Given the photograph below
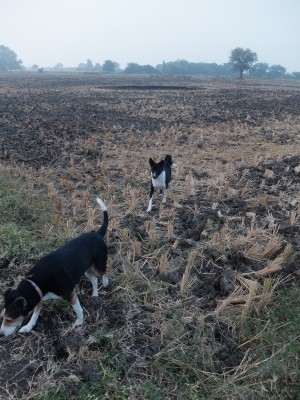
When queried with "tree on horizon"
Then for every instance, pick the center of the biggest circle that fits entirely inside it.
(8, 59)
(242, 60)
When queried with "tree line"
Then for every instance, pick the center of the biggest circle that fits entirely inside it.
(241, 60)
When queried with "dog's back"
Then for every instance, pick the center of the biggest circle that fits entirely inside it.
(69, 263)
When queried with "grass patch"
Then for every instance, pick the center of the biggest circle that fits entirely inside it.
(22, 217)
(274, 346)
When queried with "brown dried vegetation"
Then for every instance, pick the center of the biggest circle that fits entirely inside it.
(190, 267)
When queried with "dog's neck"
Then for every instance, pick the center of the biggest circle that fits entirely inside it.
(36, 287)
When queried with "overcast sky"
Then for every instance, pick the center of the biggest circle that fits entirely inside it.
(45, 32)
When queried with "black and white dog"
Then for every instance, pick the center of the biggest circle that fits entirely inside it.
(55, 276)
(160, 177)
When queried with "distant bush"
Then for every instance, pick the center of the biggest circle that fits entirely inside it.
(296, 75)
(133, 68)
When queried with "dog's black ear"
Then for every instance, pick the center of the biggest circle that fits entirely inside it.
(151, 162)
(7, 292)
(20, 304)
(168, 159)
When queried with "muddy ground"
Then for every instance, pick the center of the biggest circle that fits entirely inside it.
(232, 212)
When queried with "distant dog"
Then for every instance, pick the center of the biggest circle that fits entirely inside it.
(160, 177)
(55, 276)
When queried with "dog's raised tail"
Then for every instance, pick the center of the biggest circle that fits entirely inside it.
(102, 230)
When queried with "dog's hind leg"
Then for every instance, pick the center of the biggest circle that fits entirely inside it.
(165, 195)
(36, 312)
(94, 281)
(105, 280)
(100, 274)
(78, 310)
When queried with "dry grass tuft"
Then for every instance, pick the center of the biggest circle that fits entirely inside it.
(249, 301)
(273, 266)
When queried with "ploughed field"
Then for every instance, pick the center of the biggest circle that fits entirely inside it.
(232, 219)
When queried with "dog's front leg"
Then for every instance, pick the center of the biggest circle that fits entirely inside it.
(165, 195)
(36, 312)
(78, 310)
(151, 198)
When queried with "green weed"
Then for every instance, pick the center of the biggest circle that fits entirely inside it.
(274, 345)
(21, 220)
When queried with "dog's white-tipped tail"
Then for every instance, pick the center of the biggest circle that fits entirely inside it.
(101, 204)
(102, 230)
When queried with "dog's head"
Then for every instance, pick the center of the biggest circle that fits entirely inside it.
(15, 310)
(156, 168)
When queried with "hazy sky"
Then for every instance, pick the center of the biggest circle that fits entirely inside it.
(45, 32)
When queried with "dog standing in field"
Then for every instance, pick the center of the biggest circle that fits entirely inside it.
(160, 177)
(55, 276)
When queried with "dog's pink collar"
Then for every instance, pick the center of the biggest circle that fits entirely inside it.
(36, 288)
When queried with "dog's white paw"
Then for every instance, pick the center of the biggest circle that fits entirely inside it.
(78, 322)
(25, 329)
(95, 294)
(148, 209)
